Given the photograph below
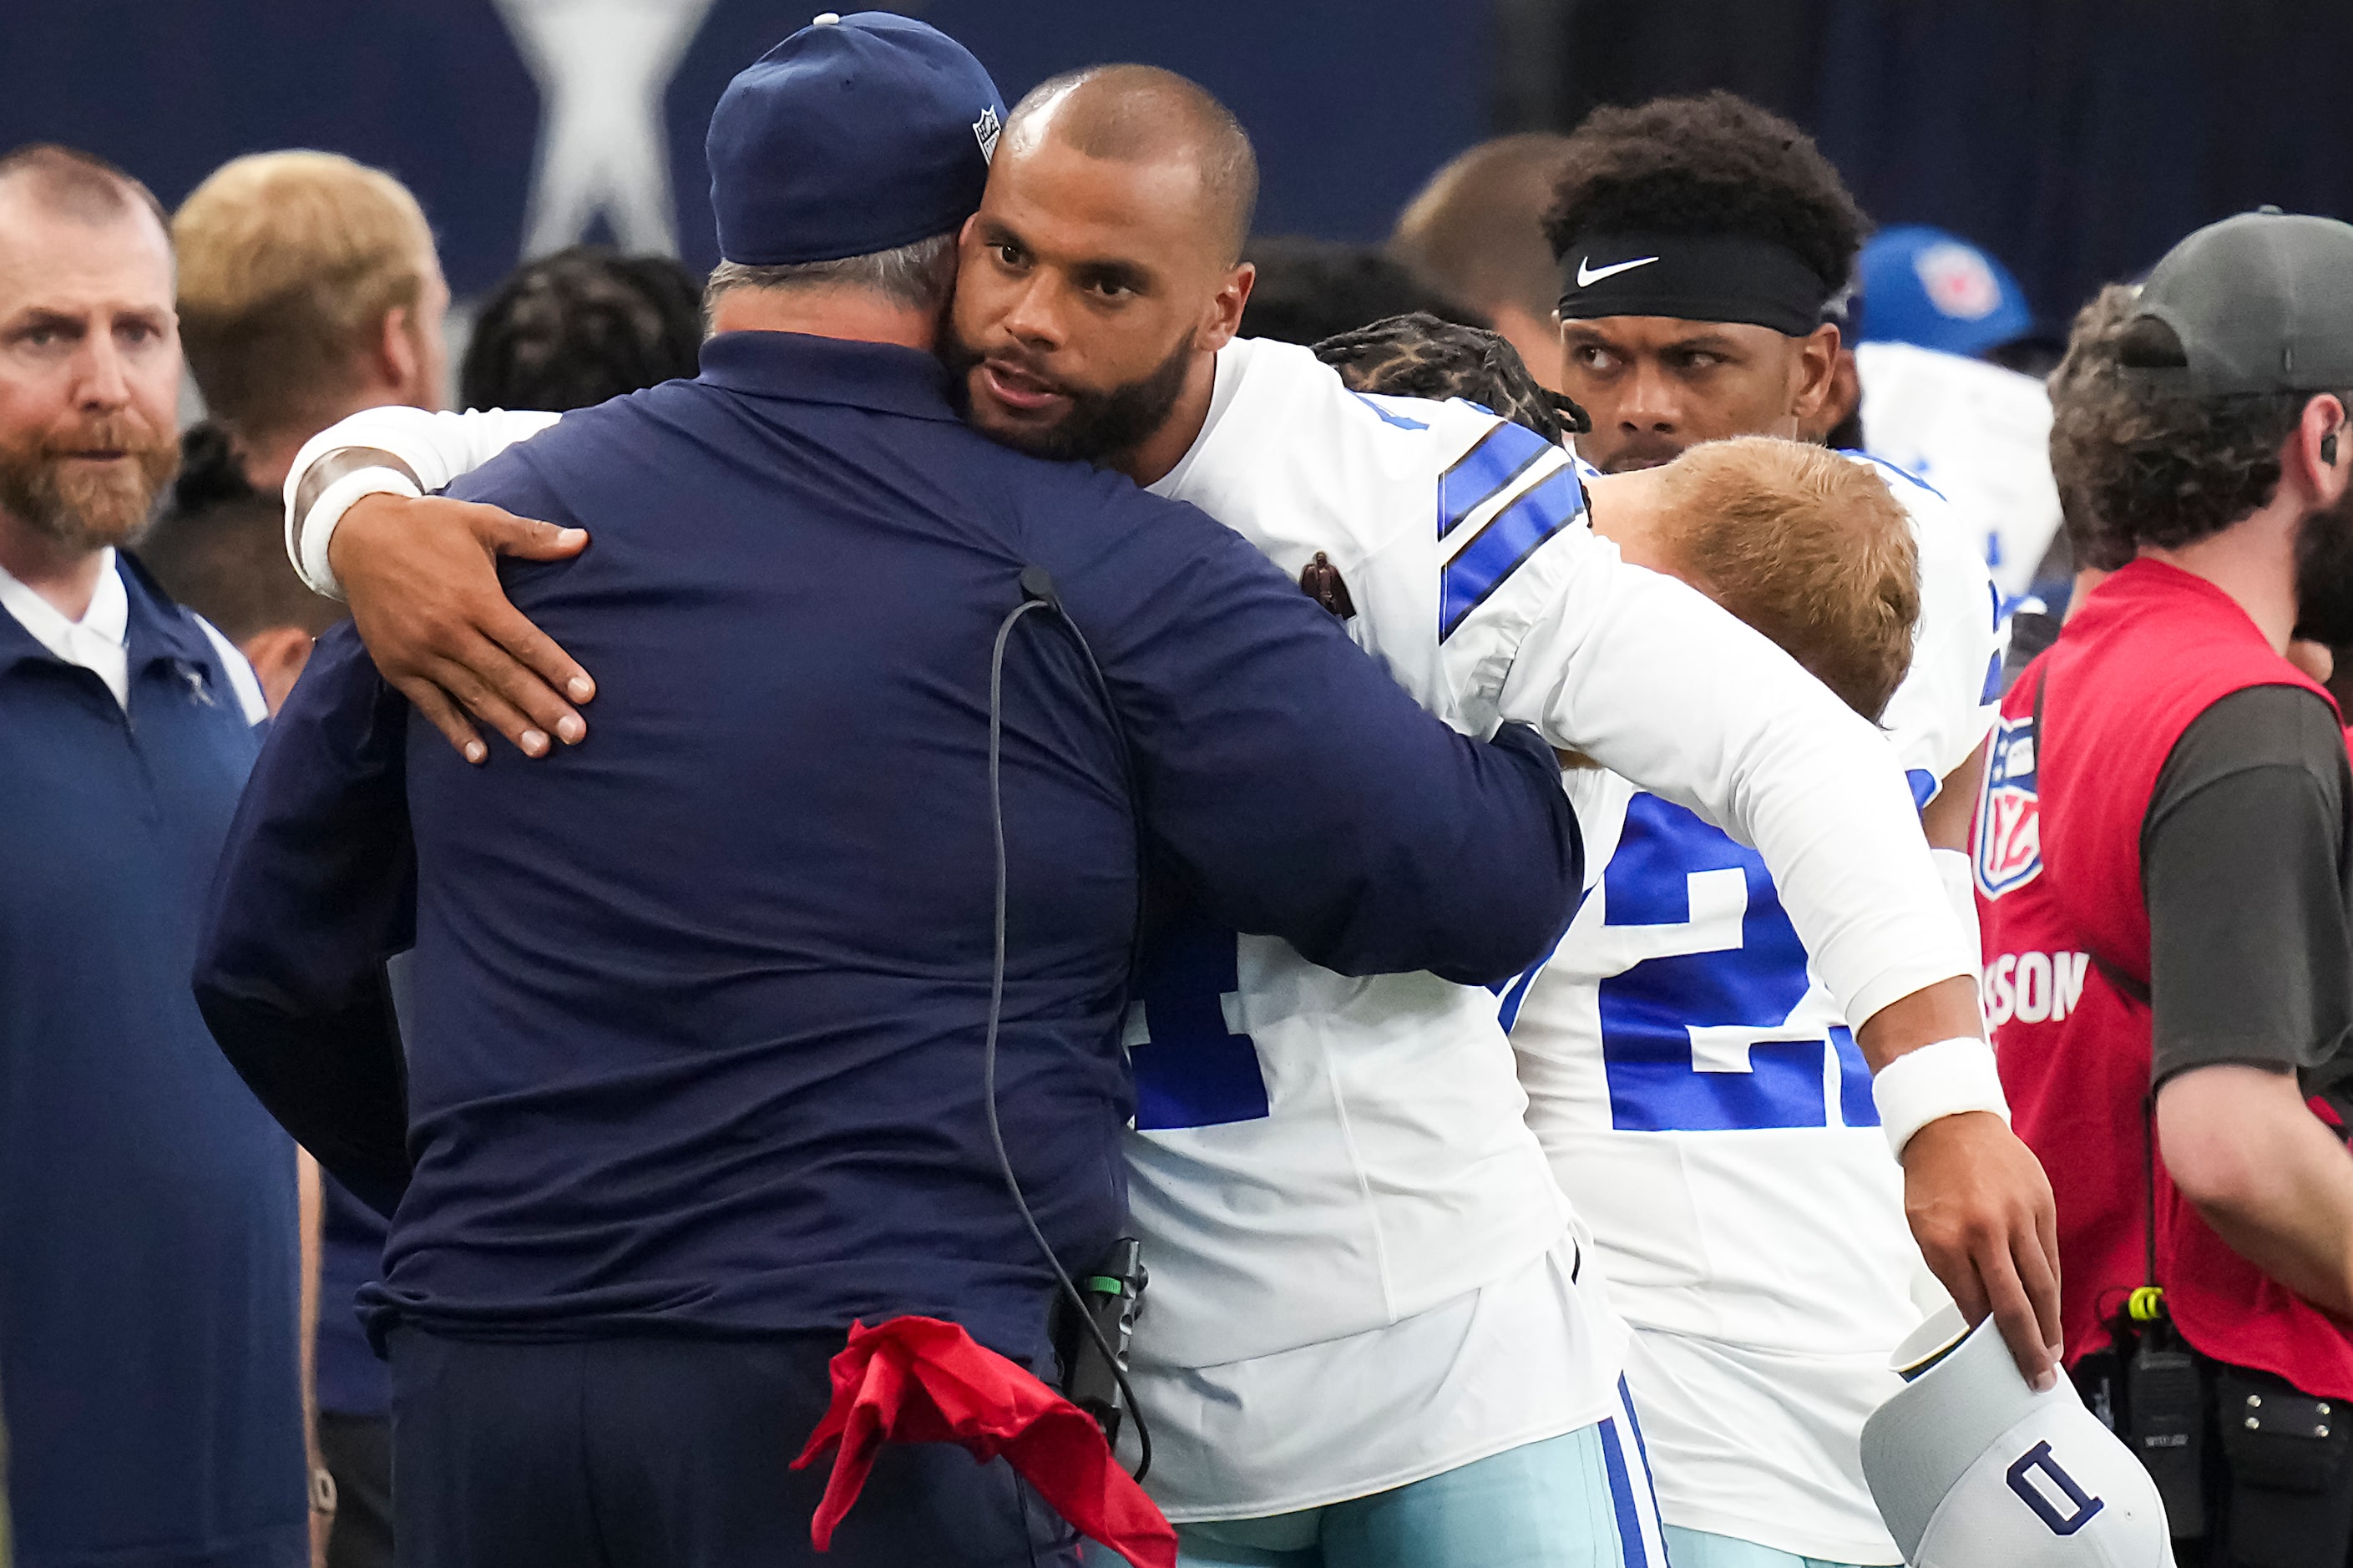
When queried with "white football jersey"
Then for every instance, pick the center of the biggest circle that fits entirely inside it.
(1981, 435)
(1318, 1155)
(1705, 1105)
(1321, 1154)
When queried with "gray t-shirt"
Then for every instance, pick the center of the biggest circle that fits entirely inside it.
(2247, 866)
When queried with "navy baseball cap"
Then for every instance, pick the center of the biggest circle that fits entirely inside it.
(1924, 286)
(856, 134)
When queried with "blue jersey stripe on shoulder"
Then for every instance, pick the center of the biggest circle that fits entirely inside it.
(1992, 693)
(1924, 785)
(1400, 420)
(1900, 472)
(1510, 993)
(1510, 537)
(1481, 474)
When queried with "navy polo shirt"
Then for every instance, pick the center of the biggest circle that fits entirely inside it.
(694, 1045)
(148, 1228)
(350, 1378)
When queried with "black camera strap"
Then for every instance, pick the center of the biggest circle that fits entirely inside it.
(2151, 1295)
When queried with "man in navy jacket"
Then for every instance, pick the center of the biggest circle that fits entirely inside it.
(148, 1235)
(694, 1074)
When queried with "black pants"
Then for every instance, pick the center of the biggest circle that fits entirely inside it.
(358, 1453)
(672, 1454)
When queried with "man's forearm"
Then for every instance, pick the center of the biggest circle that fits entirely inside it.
(311, 1209)
(2272, 1179)
(1947, 819)
(1945, 1010)
(430, 450)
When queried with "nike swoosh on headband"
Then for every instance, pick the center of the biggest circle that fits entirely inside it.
(1588, 275)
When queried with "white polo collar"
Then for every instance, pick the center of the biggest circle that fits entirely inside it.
(97, 642)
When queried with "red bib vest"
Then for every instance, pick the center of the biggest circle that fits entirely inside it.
(2057, 862)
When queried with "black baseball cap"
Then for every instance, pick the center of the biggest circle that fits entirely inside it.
(2260, 302)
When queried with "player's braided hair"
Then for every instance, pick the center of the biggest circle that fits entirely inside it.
(1418, 355)
(584, 324)
(1715, 164)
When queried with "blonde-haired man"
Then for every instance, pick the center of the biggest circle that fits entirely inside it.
(1807, 546)
(308, 289)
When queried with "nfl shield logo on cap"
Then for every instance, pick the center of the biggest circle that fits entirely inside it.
(1924, 286)
(1957, 280)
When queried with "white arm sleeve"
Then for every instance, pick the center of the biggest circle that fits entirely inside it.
(437, 447)
(1650, 679)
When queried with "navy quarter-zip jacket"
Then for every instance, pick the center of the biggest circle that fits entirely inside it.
(148, 1234)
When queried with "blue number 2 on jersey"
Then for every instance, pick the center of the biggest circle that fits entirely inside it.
(1648, 1012)
(1193, 1068)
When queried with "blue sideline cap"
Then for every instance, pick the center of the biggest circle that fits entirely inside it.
(856, 134)
(1923, 286)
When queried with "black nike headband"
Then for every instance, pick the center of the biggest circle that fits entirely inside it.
(1693, 278)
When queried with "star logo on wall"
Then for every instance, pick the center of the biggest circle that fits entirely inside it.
(603, 68)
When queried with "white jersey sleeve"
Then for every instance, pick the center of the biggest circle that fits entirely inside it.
(1756, 745)
(437, 448)
(1464, 542)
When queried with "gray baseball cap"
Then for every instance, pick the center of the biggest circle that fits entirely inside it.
(2261, 302)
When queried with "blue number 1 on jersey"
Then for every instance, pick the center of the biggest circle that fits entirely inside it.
(1193, 1068)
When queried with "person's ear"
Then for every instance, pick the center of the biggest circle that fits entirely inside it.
(1814, 377)
(278, 656)
(398, 360)
(1843, 397)
(2324, 443)
(1225, 315)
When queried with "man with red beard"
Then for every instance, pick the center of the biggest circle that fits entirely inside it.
(147, 1205)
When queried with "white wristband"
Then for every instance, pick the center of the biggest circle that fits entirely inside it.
(1934, 1082)
(309, 536)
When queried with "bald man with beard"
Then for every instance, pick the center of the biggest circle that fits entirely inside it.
(1372, 1336)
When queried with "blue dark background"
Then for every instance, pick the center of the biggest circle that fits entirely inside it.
(1353, 105)
(2077, 139)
